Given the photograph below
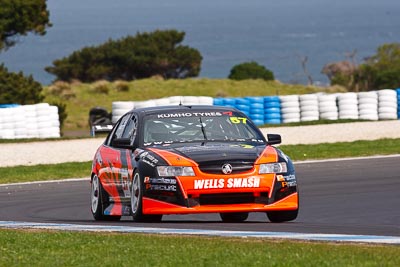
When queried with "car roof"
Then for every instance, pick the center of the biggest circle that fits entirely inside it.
(181, 108)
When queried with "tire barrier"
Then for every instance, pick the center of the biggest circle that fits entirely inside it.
(327, 105)
(372, 105)
(368, 105)
(348, 106)
(387, 104)
(290, 108)
(309, 107)
(272, 110)
(29, 121)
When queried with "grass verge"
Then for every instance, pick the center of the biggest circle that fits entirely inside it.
(27, 248)
(296, 152)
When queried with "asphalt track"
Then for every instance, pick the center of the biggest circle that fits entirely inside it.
(358, 197)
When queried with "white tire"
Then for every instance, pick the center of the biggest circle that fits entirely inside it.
(289, 116)
(205, 100)
(387, 110)
(368, 112)
(386, 98)
(368, 106)
(190, 100)
(327, 98)
(368, 95)
(7, 126)
(290, 110)
(347, 96)
(312, 118)
(308, 97)
(386, 104)
(373, 101)
(145, 104)
(309, 114)
(289, 98)
(325, 109)
(119, 112)
(370, 117)
(309, 102)
(348, 102)
(127, 105)
(290, 104)
(387, 116)
(291, 120)
(162, 102)
(387, 92)
(309, 108)
(176, 100)
(7, 134)
(44, 125)
(329, 116)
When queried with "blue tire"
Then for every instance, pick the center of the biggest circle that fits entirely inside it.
(229, 102)
(272, 104)
(242, 101)
(257, 116)
(218, 101)
(272, 110)
(272, 116)
(258, 122)
(257, 106)
(255, 99)
(243, 107)
(269, 99)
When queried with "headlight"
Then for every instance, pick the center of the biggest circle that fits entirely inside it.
(278, 167)
(174, 171)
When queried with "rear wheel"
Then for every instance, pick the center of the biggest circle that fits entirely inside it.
(282, 216)
(97, 195)
(137, 201)
(232, 217)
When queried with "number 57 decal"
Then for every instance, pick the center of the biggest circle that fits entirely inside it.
(238, 120)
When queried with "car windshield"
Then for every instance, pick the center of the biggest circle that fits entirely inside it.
(197, 126)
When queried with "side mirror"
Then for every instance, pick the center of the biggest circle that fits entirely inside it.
(122, 143)
(274, 139)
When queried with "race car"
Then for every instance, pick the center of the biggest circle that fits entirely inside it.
(191, 159)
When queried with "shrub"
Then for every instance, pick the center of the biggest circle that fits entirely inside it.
(62, 89)
(18, 89)
(250, 70)
(121, 86)
(101, 87)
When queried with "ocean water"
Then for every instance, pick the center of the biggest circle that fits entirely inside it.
(276, 34)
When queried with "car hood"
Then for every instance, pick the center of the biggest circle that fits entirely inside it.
(212, 156)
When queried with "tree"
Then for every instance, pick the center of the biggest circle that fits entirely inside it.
(130, 58)
(381, 70)
(16, 88)
(19, 17)
(250, 70)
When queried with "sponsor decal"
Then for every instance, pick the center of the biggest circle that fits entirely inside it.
(125, 182)
(251, 182)
(287, 180)
(160, 184)
(148, 159)
(237, 120)
(189, 114)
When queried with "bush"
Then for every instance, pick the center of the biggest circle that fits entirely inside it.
(18, 89)
(101, 87)
(62, 89)
(250, 70)
(130, 58)
(121, 86)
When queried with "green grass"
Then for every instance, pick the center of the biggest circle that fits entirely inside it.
(296, 152)
(343, 149)
(41, 248)
(45, 172)
(86, 97)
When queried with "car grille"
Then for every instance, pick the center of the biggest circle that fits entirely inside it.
(216, 167)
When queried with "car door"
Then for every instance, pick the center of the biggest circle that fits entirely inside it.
(114, 172)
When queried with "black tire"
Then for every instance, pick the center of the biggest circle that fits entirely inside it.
(137, 190)
(234, 217)
(282, 216)
(97, 196)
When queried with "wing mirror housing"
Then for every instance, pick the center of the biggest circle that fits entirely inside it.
(274, 139)
(122, 143)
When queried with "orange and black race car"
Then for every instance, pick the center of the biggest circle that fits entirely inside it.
(191, 159)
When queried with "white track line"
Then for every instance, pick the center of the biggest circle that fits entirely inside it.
(243, 234)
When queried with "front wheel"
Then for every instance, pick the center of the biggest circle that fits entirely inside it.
(97, 195)
(137, 201)
(234, 217)
(282, 216)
